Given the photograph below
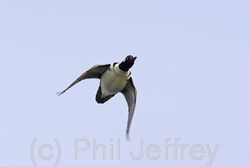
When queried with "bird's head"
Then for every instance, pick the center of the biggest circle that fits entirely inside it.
(127, 63)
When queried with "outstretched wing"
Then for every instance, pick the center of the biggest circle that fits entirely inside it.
(94, 72)
(130, 95)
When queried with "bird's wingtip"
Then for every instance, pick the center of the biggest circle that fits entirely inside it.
(59, 93)
(127, 137)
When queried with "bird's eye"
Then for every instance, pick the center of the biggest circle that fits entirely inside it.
(127, 58)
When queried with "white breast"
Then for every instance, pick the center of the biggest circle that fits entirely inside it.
(113, 80)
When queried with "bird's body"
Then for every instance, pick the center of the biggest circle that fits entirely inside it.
(114, 78)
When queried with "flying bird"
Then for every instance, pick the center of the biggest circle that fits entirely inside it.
(114, 78)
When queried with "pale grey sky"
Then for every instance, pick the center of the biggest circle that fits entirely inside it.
(191, 74)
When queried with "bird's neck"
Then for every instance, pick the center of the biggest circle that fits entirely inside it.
(119, 71)
(123, 66)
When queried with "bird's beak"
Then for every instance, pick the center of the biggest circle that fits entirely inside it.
(135, 58)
